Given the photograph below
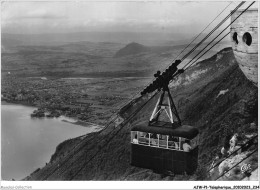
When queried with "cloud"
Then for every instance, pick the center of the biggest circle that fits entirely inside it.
(107, 16)
(36, 14)
(41, 14)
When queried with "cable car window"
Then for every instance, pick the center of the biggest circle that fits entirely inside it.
(134, 138)
(163, 137)
(154, 139)
(142, 134)
(173, 143)
(181, 142)
(158, 140)
(143, 138)
(163, 141)
(186, 146)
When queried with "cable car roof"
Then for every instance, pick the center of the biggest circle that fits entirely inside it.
(185, 131)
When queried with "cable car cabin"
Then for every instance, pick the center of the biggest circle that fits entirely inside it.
(161, 148)
(161, 145)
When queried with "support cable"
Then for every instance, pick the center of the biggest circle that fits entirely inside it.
(203, 30)
(213, 30)
(186, 66)
(206, 51)
(82, 144)
(121, 127)
(221, 32)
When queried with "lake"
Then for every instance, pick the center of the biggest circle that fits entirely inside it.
(28, 143)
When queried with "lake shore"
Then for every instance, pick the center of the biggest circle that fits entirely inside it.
(27, 144)
(23, 103)
(72, 120)
(84, 124)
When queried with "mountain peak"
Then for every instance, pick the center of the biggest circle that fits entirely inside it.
(131, 49)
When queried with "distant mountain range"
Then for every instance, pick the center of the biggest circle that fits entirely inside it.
(136, 48)
(149, 39)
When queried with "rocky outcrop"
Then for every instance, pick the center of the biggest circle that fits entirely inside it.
(38, 113)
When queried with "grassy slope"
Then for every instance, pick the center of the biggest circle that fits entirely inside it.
(107, 156)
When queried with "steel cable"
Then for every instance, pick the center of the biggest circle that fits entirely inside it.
(221, 32)
(121, 127)
(203, 30)
(213, 30)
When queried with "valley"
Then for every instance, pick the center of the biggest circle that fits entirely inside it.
(83, 80)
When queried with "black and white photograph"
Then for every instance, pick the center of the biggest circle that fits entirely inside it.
(129, 92)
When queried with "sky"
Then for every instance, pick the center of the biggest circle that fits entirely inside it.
(100, 16)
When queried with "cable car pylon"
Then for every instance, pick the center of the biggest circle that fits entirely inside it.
(168, 107)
